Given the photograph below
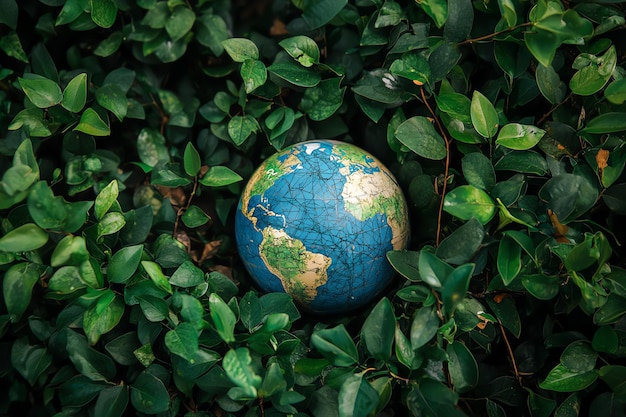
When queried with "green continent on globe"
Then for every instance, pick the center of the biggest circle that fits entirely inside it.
(366, 194)
(264, 177)
(301, 272)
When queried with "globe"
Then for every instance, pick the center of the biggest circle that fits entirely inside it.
(316, 220)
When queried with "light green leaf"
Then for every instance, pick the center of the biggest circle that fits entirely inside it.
(75, 93)
(41, 91)
(615, 92)
(17, 287)
(467, 201)
(105, 199)
(113, 98)
(240, 49)
(157, 276)
(92, 124)
(483, 114)
(24, 238)
(436, 9)
(241, 127)
(180, 22)
(336, 344)
(191, 160)
(223, 318)
(413, 66)
(519, 137)
(357, 397)
(238, 366)
(303, 49)
(219, 176)
(183, 341)
(561, 379)
(316, 13)
(103, 12)
(12, 46)
(591, 78)
(110, 223)
(253, 73)
(102, 316)
(323, 100)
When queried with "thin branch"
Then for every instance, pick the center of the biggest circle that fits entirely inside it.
(493, 35)
(447, 162)
(510, 350)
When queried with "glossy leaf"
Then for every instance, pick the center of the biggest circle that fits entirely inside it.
(549, 83)
(180, 22)
(462, 367)
(303, 49)
(318, 13)
(336, 345)
(606, 123)
(253, 73)
(103, 12)
(378, 330)
(113, 98)
(483, 114)
(420, 136)
(23, 238)
(183, 341)
(467, 201)
(92, 124)
(223, 318)
(478, 171)
(357, 397)
(102, 316)
(238, 366)
(561, 379)
(323, 100)
(157, 276)
(509, 259)
(41, 91)
(423, 327)
(112, 402)
(148, 394)
(105, 199)
(591, 78)
(219, 176)
(17, 287)
(461, 245)
(75, 93)
(455, 288)
(518, 136)
(615, 92)
(240, 49)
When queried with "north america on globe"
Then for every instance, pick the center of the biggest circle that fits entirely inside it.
(316, 220)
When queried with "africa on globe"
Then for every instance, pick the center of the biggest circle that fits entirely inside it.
(316, 220)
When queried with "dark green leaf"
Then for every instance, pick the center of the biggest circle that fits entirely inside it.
(455, 287)
(102, 316)
(183, 341)
(460, 246)
(550, 85)
(413, 66)
(88, 361)
(459, 21)
(423, 327)
(462, 366)
(103, 12)
(295, 74)
(113, 98)
(180, 22)
(432, 270)
(17, 287)
(123, 264)
(509, 260)
(317, 13)
(540, 286)
(241, 127)
(615, 92)
(615, 377)
(31, 361)
(149, 395)
(336, 344)
(111, 402)
(478, 171)
(606, 123)
(419, 135)
(378, 330)
(605, 339)
(579, 357)
(357, 397)
(240, 49)
(323, 100)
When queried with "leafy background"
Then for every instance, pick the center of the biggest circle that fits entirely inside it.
(127, 130)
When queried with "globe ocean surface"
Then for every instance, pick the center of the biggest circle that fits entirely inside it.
(316, 220)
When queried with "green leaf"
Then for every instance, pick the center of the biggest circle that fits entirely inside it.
(253, 73)
(187, 275)
(615, 377)
(462, 367)
(550, 84)
(615, 92)
(295, 74)
(71, 250)
(357, 397)
(436, 9)
(102, 316)
(483, 114)
(241, 127)
(113, 98)
(508, 12)
(336, 344)
(223, 318)
(183, 341)
(88, 361)
(194, 216)
(219, 176)
(509, 260)
(123, 264)
(413, 66)
(31, 361)
(75, 93)
(110, 45)
(568, 196)
(316, 13)
(605, 340)
(478, 171)
(191, 160)
(432, 270)
(606, 123)
(24, 238)
(579, 357)
(110, 223)
(303, 49)
(105, 199)
(467, 201)
(322, 101)
(148, 394)
(111, 402)
(404, 351)
(156, 275)
(419, 135)
(17, 287)
(151, 147)
(238, 366)
(423, 327)
(518, 136)
(92, 124)
(506, 312)
(42, 92)
(378, 330)
(12, 46)
(180, 22)
(240, 49)
(212, 31)
(561, 379)
(10, 13)
(455, 287)
(461, 245)
(591, 78)
(540, 286)
(103, 12)
(459, 21)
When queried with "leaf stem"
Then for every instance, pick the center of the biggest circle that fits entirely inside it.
(510, 350)
(493, 35)
(447, 164)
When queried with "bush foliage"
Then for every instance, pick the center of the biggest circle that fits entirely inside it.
(127, 127)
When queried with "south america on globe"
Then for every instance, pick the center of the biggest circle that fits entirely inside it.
(316, 220)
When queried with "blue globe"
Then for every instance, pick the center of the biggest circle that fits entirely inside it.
(316, 220)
